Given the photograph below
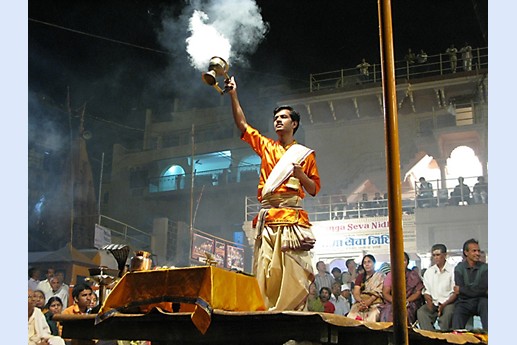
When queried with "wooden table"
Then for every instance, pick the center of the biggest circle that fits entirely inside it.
(195, 290)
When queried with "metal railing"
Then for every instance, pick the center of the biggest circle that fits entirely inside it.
(127, 233)
(441, 195)
(358, 205)
(435, 65)
(338, 206)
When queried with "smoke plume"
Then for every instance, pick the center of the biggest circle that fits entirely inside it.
(230, 29)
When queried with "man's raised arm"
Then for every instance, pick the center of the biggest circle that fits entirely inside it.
(238, 113)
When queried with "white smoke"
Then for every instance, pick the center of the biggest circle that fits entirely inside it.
(230, 29)
(205, 42)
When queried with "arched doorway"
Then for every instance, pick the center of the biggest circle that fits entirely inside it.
(173, 178)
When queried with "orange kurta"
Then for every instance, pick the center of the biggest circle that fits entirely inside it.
(270, 152)
(283, 274)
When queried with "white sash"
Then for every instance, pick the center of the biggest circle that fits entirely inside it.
(284, 167)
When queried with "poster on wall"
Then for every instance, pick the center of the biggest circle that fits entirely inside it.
(220, 253)
(200, 245)
(361, 235)
(235, 258)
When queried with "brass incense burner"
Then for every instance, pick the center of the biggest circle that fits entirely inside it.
(141, 261)
(217, 67)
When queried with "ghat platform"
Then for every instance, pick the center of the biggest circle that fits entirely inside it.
(209, 305)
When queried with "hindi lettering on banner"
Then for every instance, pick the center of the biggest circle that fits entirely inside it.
(338, 238)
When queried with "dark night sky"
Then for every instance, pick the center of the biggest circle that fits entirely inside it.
(118, 81)
(119, 58)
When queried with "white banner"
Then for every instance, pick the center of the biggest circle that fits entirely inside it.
(342, 237)
(102, 236)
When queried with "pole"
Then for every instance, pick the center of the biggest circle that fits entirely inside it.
(192, 173)
(100, 189)
(398, 270)
(72, 173)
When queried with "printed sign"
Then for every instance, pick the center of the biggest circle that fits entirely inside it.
(235, 258)
(200, 245)
(360, 235)
(220, 253)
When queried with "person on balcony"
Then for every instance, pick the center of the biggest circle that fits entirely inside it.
(481, 191)
(460, 194)
(378, 204)
(452, 52)
(282, 261)
(421, 57)
(365, 206)
(466, 56)
(410, 57)
(364, 71)
(425, 197)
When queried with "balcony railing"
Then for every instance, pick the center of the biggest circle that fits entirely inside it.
(435, 65)
(340, 206)
(126, 233)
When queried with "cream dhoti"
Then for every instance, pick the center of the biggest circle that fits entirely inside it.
(282, 261)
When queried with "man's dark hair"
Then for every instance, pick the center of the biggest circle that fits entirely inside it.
(78, 288)
(336, 269)
(349, 261)
(441, 247)
(326, 288)
(295, 116)
(466, 244)
(32, 270)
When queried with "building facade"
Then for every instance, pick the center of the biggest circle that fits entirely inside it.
(194, 170)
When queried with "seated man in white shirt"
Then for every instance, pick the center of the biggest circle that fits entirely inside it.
(341, 303)
(438, 292)
(59, 289)
(44, 285)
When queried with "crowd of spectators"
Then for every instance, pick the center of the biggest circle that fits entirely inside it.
(338, 207)
(461, 195)
(442, 297)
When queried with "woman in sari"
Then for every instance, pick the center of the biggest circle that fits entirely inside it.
(54, 306)
(313, 299)
(367, 292)
(414, 286)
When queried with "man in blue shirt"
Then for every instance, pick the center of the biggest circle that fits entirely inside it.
(471, 279)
